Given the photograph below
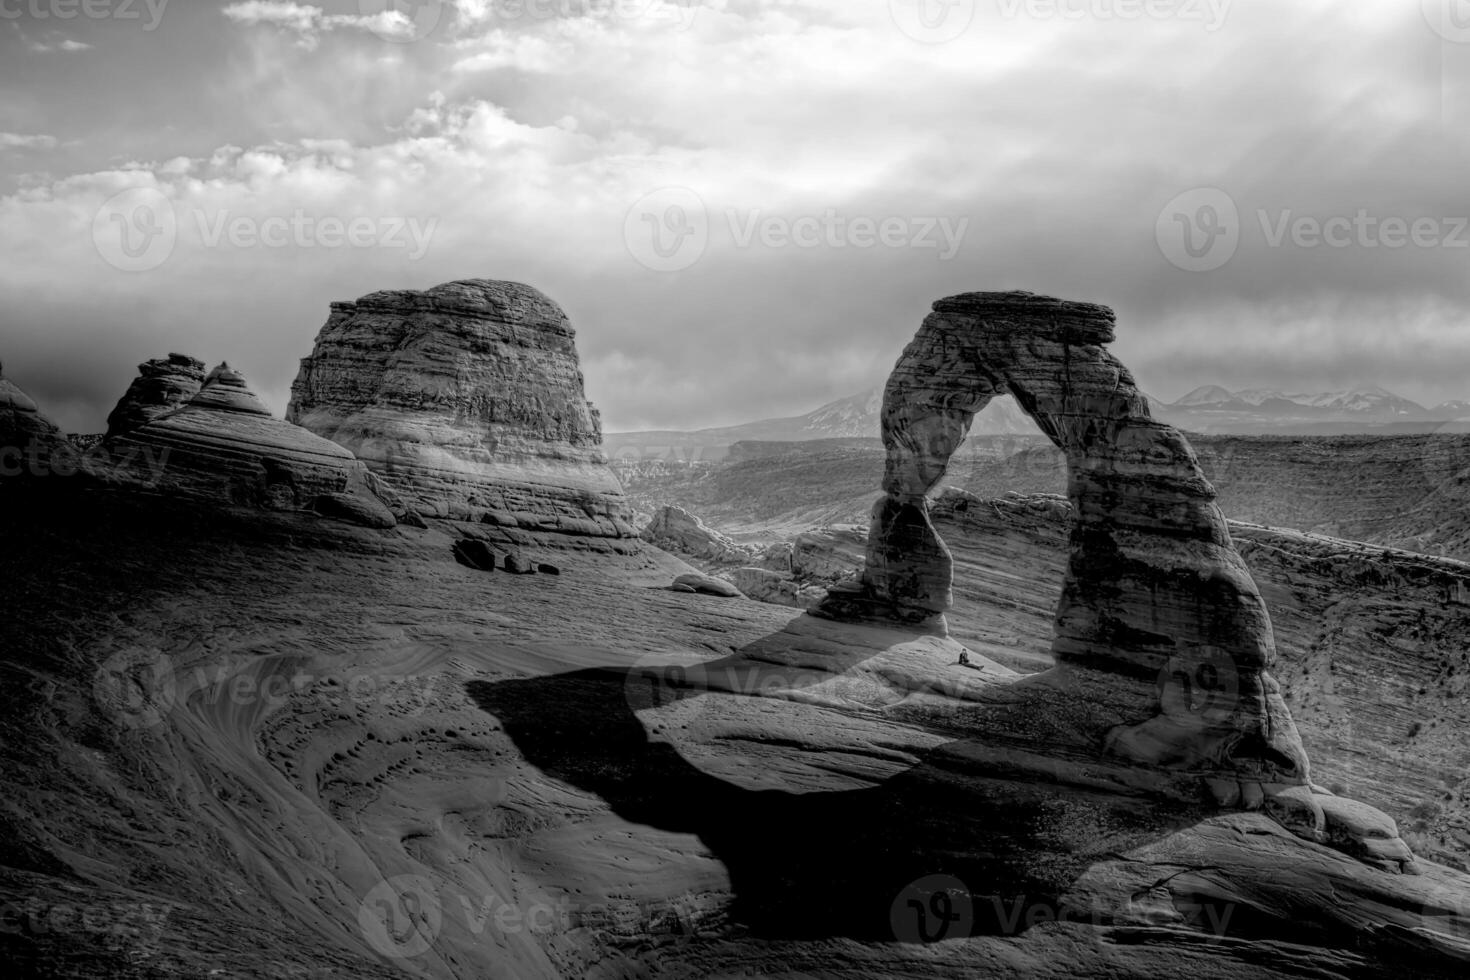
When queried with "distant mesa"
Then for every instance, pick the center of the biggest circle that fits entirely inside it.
(163, 384)
(223, 445)
(468, 399)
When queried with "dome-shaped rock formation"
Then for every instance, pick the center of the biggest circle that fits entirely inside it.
(468, 399)
(1162, 640)
(224, 445)
(162, 385)
(28, 439)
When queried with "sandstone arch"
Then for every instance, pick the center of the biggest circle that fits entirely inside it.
(1157, 607)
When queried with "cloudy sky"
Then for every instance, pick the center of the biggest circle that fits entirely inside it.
(746, 206)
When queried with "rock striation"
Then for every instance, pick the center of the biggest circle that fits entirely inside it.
(224, 445)
(1159, 624)
(162, 385)
(468, 399)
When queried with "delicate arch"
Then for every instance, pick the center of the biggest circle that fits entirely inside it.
(1155, 591)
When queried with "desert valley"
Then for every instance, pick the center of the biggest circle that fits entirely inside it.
(416, 682)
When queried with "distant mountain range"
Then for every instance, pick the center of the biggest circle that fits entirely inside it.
(1208, 409)
(1372, 401)
(1266, 410)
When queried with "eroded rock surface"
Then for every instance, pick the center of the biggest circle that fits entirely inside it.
(675, 529)
(777, 588)
(468, 399)
(298, 726)
(162, 385)
(224, 445)
(28, 439)
(1370, 645)
(1162, 633)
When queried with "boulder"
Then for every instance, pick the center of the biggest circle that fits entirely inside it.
(468, 398)
(517, 564)
(707, 585)
(545, 569)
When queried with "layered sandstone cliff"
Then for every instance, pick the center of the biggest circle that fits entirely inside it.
(468, 399)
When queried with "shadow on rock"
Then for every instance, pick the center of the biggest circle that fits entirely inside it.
(934, 852)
